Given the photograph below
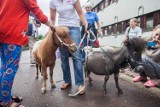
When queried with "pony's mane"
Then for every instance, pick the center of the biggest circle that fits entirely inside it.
(62, 30)
(137, 44)
(50, 36)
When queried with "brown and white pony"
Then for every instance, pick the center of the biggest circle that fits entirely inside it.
(44, 54)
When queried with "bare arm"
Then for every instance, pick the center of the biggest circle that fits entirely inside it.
(53, 16)
(99, 27)
(80, 13)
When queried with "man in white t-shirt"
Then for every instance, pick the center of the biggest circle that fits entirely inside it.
(133, 30)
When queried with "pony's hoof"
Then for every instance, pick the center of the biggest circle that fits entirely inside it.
(53, 86)
(43, 91)
(120, 92)
(90, 84)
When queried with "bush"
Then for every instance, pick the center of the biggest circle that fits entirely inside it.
(39, 37)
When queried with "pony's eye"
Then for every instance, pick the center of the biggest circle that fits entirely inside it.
(64, 36)
(135, 53)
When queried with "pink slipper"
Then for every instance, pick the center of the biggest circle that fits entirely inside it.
(139, 78)
(150, 83)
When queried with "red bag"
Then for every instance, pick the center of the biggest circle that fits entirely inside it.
(96, 43)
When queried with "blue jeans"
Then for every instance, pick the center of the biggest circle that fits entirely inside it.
(76, 57)
(10, 56)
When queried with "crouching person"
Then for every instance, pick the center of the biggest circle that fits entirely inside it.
(151, 67)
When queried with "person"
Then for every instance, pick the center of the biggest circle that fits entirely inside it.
(92, 18)
(32, 33)
(154, 40)
(133, 30)
(151, 68)
(14, 25)
(67, 10)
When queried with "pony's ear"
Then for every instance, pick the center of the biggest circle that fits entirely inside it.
(126, 42)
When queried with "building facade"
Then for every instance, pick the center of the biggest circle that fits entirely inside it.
(114, 17)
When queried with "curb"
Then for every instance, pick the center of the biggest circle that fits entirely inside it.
(153, 90)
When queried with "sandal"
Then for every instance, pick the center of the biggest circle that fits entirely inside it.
(17, 99)
(65, 86)
(12, 104)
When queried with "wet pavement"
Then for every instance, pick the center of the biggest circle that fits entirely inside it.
(29, 88)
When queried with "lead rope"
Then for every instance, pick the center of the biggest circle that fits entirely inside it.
(88, 34)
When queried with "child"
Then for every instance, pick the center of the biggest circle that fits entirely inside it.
(150, 69)
(154, 40)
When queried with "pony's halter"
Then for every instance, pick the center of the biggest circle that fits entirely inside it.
(133, 63)
(63, 43)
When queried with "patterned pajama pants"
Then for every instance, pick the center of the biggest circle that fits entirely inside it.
(10, 56)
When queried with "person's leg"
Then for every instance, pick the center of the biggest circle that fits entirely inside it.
(76, 56)
(31, 42)
(65, 65)
(1, 56)
(10, 63)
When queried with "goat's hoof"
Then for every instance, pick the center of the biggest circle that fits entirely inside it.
(105, 92)
(43, 91)
(53, 86)
(120, 92)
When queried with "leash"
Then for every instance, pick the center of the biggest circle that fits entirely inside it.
(88, 34)
(109, 57)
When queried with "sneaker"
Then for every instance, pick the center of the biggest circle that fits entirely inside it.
(81, 89)
(139, 78)
(150, 83)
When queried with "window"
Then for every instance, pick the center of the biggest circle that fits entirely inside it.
(106, 3)
(156, 18)
(115, 29)
(95, 9)
(103, 31)
(106, 31)
(120, 28)
(102, 6)
(109, 30)
(149, 22)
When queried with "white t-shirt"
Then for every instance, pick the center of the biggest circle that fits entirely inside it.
(66, 11)
(136, 32)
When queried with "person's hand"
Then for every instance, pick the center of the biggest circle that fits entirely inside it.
(99, 31)
(154, 40)
(87, 29)
(52, 27)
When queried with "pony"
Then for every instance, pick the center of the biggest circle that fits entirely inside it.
(110, 61)
(44, 53)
